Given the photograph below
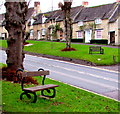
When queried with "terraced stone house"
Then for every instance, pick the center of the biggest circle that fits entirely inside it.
(32, 12)
(98, 24)
(3, 31)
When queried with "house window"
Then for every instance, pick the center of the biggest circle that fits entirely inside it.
(4, 35)
(80, 23)
(98, 34)
(98, 21)
(43, 32)
(80, 34)
(31, 32)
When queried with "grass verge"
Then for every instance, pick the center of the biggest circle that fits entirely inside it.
(54, 48)
(2, 65)
(68, 99)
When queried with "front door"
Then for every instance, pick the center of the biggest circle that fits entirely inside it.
(112, 37)
(38, 32)
(88, 34)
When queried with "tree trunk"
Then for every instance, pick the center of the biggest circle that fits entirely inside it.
(67, 24)
(15, 25)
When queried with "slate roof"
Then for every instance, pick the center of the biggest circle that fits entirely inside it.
(115, 15)
(38, 19)
(56, 15)
(74, 12)
(49, 15)
(29, 13)
(91, 13)
(81, 13)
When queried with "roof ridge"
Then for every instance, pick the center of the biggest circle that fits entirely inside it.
(101, 5)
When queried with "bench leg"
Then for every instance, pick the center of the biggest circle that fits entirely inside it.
(29, 96)
(49, 91)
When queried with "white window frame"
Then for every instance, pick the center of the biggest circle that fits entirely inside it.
(80, 34)
(98, 21)
(98, 35)
(31, 32)
(43, 32)
(3, 35)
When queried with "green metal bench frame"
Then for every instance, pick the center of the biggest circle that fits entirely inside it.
(96, 49)
(32, 90)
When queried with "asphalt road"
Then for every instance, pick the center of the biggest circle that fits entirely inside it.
(99, 81)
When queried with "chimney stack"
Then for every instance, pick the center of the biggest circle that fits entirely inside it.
(37, 7)
(85, 3)
(36, 4)
(117, 0)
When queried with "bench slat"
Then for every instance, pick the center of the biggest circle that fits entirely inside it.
(35, 73)
(38, 88)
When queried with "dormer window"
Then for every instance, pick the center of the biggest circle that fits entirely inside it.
(98, 21)
(43, 19)
(32, 21)
(80, 23)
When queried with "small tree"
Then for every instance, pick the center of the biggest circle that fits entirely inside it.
(55, 30)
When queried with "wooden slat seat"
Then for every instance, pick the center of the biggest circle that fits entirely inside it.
(41, 87)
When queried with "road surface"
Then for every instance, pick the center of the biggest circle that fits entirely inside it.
(99, 81)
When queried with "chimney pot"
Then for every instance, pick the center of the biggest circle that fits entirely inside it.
(36, 4)
(85, 3)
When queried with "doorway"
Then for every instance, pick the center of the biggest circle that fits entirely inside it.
(38, 32)
(112, 37)
(88, 34)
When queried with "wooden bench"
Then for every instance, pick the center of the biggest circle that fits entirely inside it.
(31, 91)
(96, 49)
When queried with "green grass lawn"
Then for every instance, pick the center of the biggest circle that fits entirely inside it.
(54, 48)
(68, 99)
(2, 65)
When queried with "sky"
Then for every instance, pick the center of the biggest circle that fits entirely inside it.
(48, 5)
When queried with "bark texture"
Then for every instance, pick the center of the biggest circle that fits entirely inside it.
(15, 25)
(67, 23)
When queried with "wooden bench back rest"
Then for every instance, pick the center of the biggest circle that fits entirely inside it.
(95, 48)
(35, 73)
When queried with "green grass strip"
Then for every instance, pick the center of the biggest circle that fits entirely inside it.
(82, 53)
(68, 99)
(2, 65)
